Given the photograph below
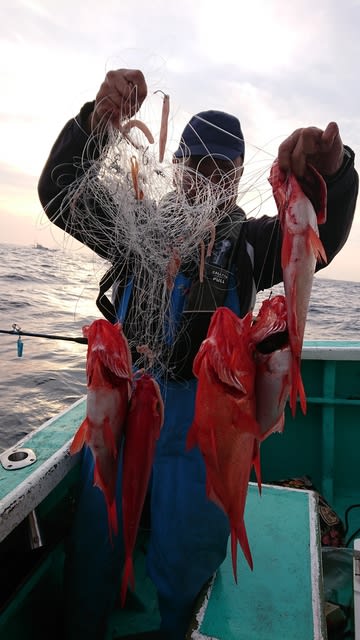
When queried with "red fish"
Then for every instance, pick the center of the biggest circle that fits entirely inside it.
(301, 249)
(273, 364)
(144, 421)
(224, 425)
(109, 374)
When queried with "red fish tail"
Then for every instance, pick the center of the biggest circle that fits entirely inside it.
(239, 534)
(297, 388)
(128, 578)
(244, 543)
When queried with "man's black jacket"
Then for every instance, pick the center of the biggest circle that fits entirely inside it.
(257, 263)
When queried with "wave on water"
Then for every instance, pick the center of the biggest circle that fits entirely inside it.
(47, 292)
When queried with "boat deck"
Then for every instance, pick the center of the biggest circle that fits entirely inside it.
(281, 597)
(258, 607)
(324, 445)
(22, 490)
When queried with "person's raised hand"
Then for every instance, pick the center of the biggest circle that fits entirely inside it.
(119, 98)
(324, 150)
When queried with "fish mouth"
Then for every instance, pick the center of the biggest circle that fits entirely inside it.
(274, 342)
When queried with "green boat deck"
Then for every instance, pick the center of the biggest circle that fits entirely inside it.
(257, 608)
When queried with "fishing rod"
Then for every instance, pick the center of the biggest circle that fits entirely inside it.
(44, 335)
(16, 331)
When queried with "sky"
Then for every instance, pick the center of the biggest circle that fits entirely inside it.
(277, 65)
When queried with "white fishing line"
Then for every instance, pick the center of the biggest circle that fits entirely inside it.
(149, 225)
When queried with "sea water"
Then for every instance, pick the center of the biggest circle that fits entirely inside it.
(53, 292)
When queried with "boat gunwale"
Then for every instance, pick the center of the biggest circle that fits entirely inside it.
(331, 350)
(40, 480)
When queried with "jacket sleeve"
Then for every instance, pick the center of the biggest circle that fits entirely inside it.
(264, 234)
(69, 159)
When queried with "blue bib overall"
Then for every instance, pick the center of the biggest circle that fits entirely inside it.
(189, 533)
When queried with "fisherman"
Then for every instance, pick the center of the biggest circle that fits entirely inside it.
(189, 533)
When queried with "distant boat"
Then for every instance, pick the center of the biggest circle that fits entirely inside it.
(41, 247)
(37, 245)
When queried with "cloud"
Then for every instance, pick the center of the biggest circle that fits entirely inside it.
(11, 178)
(18, 193)
(276, 65)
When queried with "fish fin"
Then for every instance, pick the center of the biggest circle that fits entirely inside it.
(85, 330)
(321, 215)
(228, 376)
(158, 405)
(239, 534)
(256, 463)
(79, 437)
(277, 427)
(128, 577)
(113, 519)
(297, 388)
(223, 369)
(321, 196)
(244, 543)
(302, 396)
(234, 552)
(110, 504)
(198, 360)
(214, 449)
(317, 246)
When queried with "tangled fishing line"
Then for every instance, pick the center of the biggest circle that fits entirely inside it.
(131, 200)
